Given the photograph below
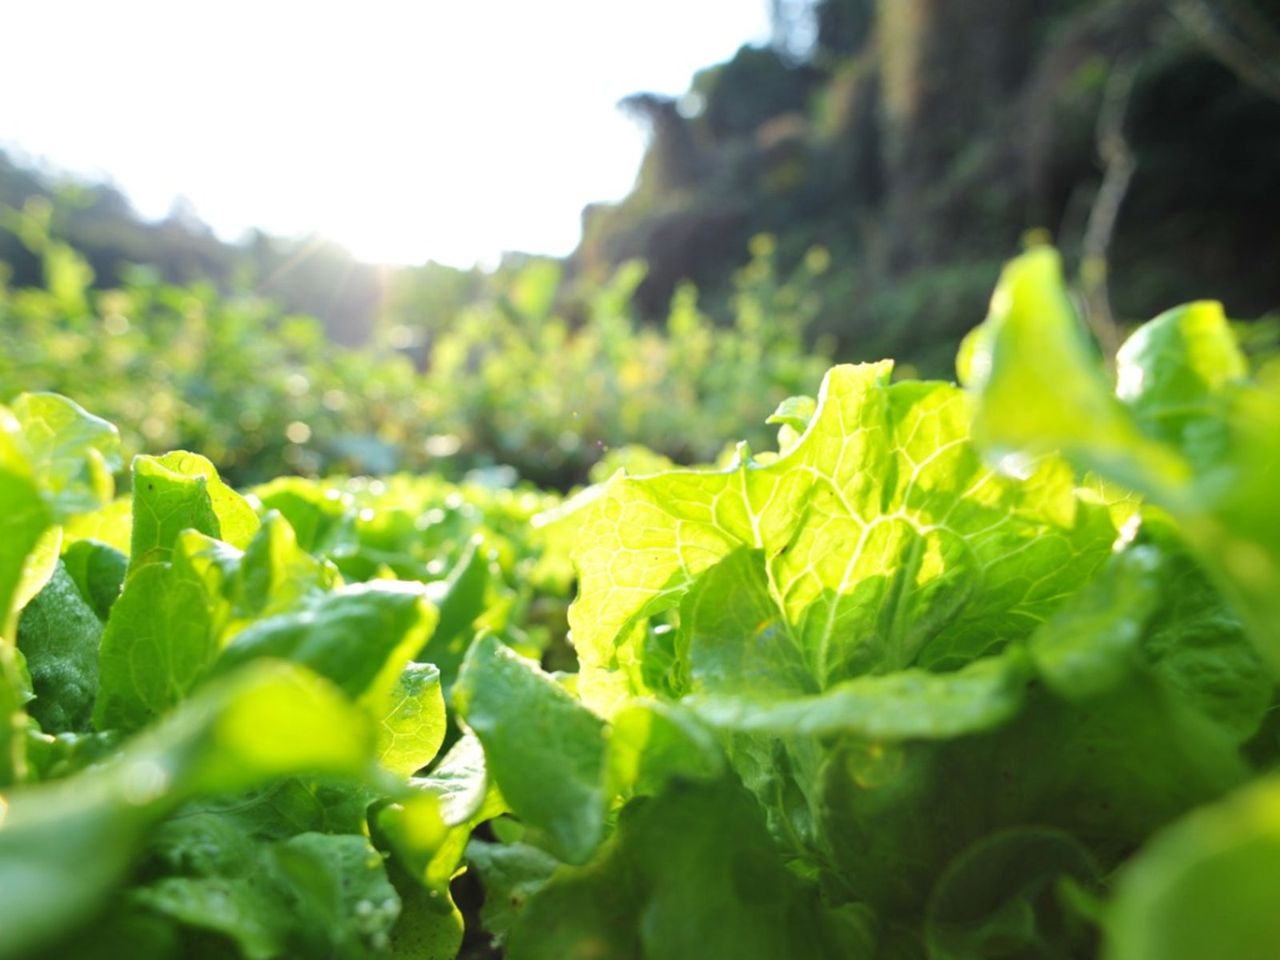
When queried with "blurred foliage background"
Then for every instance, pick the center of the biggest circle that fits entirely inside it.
(847, 192)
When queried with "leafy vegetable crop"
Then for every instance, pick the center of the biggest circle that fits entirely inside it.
(513, 379)
(958, 672)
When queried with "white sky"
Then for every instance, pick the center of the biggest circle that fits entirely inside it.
(404, 130)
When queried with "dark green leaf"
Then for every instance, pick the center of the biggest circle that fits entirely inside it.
(1091, 644)
(1002, 897)
(545, 751)
(58, 635)
(341, 903)
(510, 873)
(246, 909)
(98, 571)
(690, 874)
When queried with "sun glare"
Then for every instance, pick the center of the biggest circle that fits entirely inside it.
(406, 132)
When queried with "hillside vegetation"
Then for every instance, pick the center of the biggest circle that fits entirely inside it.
(918, 140)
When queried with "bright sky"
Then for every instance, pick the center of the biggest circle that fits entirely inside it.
(404, 130)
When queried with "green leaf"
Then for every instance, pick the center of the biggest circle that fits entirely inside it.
(322, 520)
(1205, 887)
(691, 874)
(879, 542)
(1002, 897)
(311, 894)
(123, 929)
(1092, 643)
(413, 728)
(338, 893)
(360, 636)
(58, 635)
(74, 455)
(886, 818)
(276, 574)
(906, 705)
(1192, 434)
(795, 412)
(159, 641)
(1196, 646)
(1153, 609)
(217, 568)
(246, 909)
(111, 525)
(510, 874)
(1174, 373)
(428, 828)
(24, 518)
(41, 561)
(26, 562)
(461, 781)
(793, 417)
(424, 930)
(98, 571)
(545, 751)
(182, 491)
(461, 599)
(14, 765)
(1039, 383)
(653, 743)
(65, 845)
